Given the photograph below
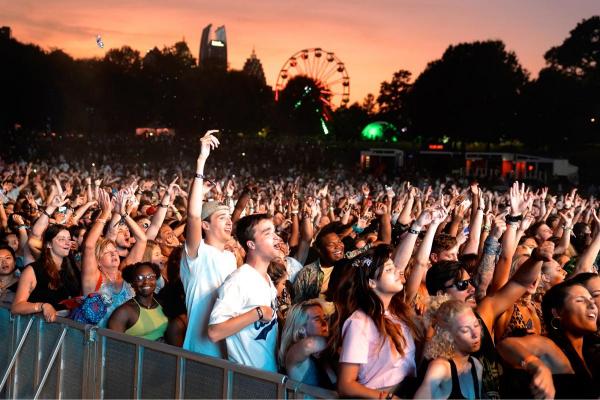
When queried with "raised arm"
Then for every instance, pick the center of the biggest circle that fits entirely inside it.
(472, 245)
(492, 306)
(306, 236)
(404, 250)
(518, 205)
(194, 215)
(585, 262)
(567, 228)
(159, 216)
(385, 224)
(421, 260)
(43, 220)
(89, 264)
(485, 270)
(531, 353)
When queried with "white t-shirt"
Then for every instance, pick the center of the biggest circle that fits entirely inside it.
(242, 291)
(201, 277)
(380, 366)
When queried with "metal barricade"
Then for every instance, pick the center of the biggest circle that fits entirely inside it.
(70, 360)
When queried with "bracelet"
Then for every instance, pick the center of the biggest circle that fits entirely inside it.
(413, 231)
(260, 313)
(199, 176)
(567, 228)
(516, 218)
(487, 228)
(23, 226)
(481, 208)
(46, 214)
(163, 205)
(513, 223)
(295, 212)
(357, 229)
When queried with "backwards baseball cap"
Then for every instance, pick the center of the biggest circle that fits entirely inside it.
(210, 207)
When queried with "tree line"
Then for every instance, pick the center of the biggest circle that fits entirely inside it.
(476, 92)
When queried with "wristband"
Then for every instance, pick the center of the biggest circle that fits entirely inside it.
(46, 214)
(23, 226)
(199, 176)
(295, 212)
(413, 231)
(163, 205)
(486, 228)
(566, 228)
(357, 229)
(516, 218)
(260, 313)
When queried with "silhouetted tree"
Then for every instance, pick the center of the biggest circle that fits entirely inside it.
(469, 94)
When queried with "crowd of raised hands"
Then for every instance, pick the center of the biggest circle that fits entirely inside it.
(384, 287)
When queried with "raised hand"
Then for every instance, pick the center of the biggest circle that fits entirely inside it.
(518, 201)
(380, 209)
(365, 189)
(173, 189)
(230, 188)
(499, 225)
(59, 200)
(425, 218)
(208, 142)
(526, 222)
(440, 214)
(106, 204)
(544, 252)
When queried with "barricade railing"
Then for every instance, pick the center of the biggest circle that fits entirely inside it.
(66, 359)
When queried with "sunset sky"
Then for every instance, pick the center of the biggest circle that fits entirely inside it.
(373, 38)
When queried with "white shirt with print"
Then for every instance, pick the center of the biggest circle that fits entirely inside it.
(244, 290)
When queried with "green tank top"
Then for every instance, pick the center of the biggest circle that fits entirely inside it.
(151, 324)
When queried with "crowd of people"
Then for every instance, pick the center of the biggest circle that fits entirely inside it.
(376, 289)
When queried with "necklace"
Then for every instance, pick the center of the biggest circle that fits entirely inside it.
(6, 284)
(151, 306)
(112, 281)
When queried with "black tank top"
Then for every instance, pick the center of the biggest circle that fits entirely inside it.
(70, 284)
(456, 393)
(492, 370)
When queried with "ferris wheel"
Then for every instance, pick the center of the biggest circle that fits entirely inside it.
(325, 69)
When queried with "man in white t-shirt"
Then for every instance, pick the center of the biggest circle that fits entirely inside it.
(244, 313)
(204, 263)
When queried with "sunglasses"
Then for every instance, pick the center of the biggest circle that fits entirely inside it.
(462, 285)
(141, 278)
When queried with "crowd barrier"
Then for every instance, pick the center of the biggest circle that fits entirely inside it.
(68, 360)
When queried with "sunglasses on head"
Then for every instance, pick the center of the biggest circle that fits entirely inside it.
(461, 285)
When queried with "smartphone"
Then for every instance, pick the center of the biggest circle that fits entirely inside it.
(62, 209)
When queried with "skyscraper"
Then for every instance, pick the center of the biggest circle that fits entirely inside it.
(253, 67)
(213, 48)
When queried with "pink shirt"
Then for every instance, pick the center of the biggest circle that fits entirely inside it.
(380, 366)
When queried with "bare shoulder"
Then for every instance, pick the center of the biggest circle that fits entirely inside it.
(439, 369)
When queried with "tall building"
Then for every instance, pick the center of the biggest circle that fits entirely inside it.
(213, 48)
(5, 32)
(253, 67)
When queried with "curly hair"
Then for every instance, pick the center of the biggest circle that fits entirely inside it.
(441, 313)
(130, 271)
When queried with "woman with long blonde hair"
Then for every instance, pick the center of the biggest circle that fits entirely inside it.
(303, 337)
